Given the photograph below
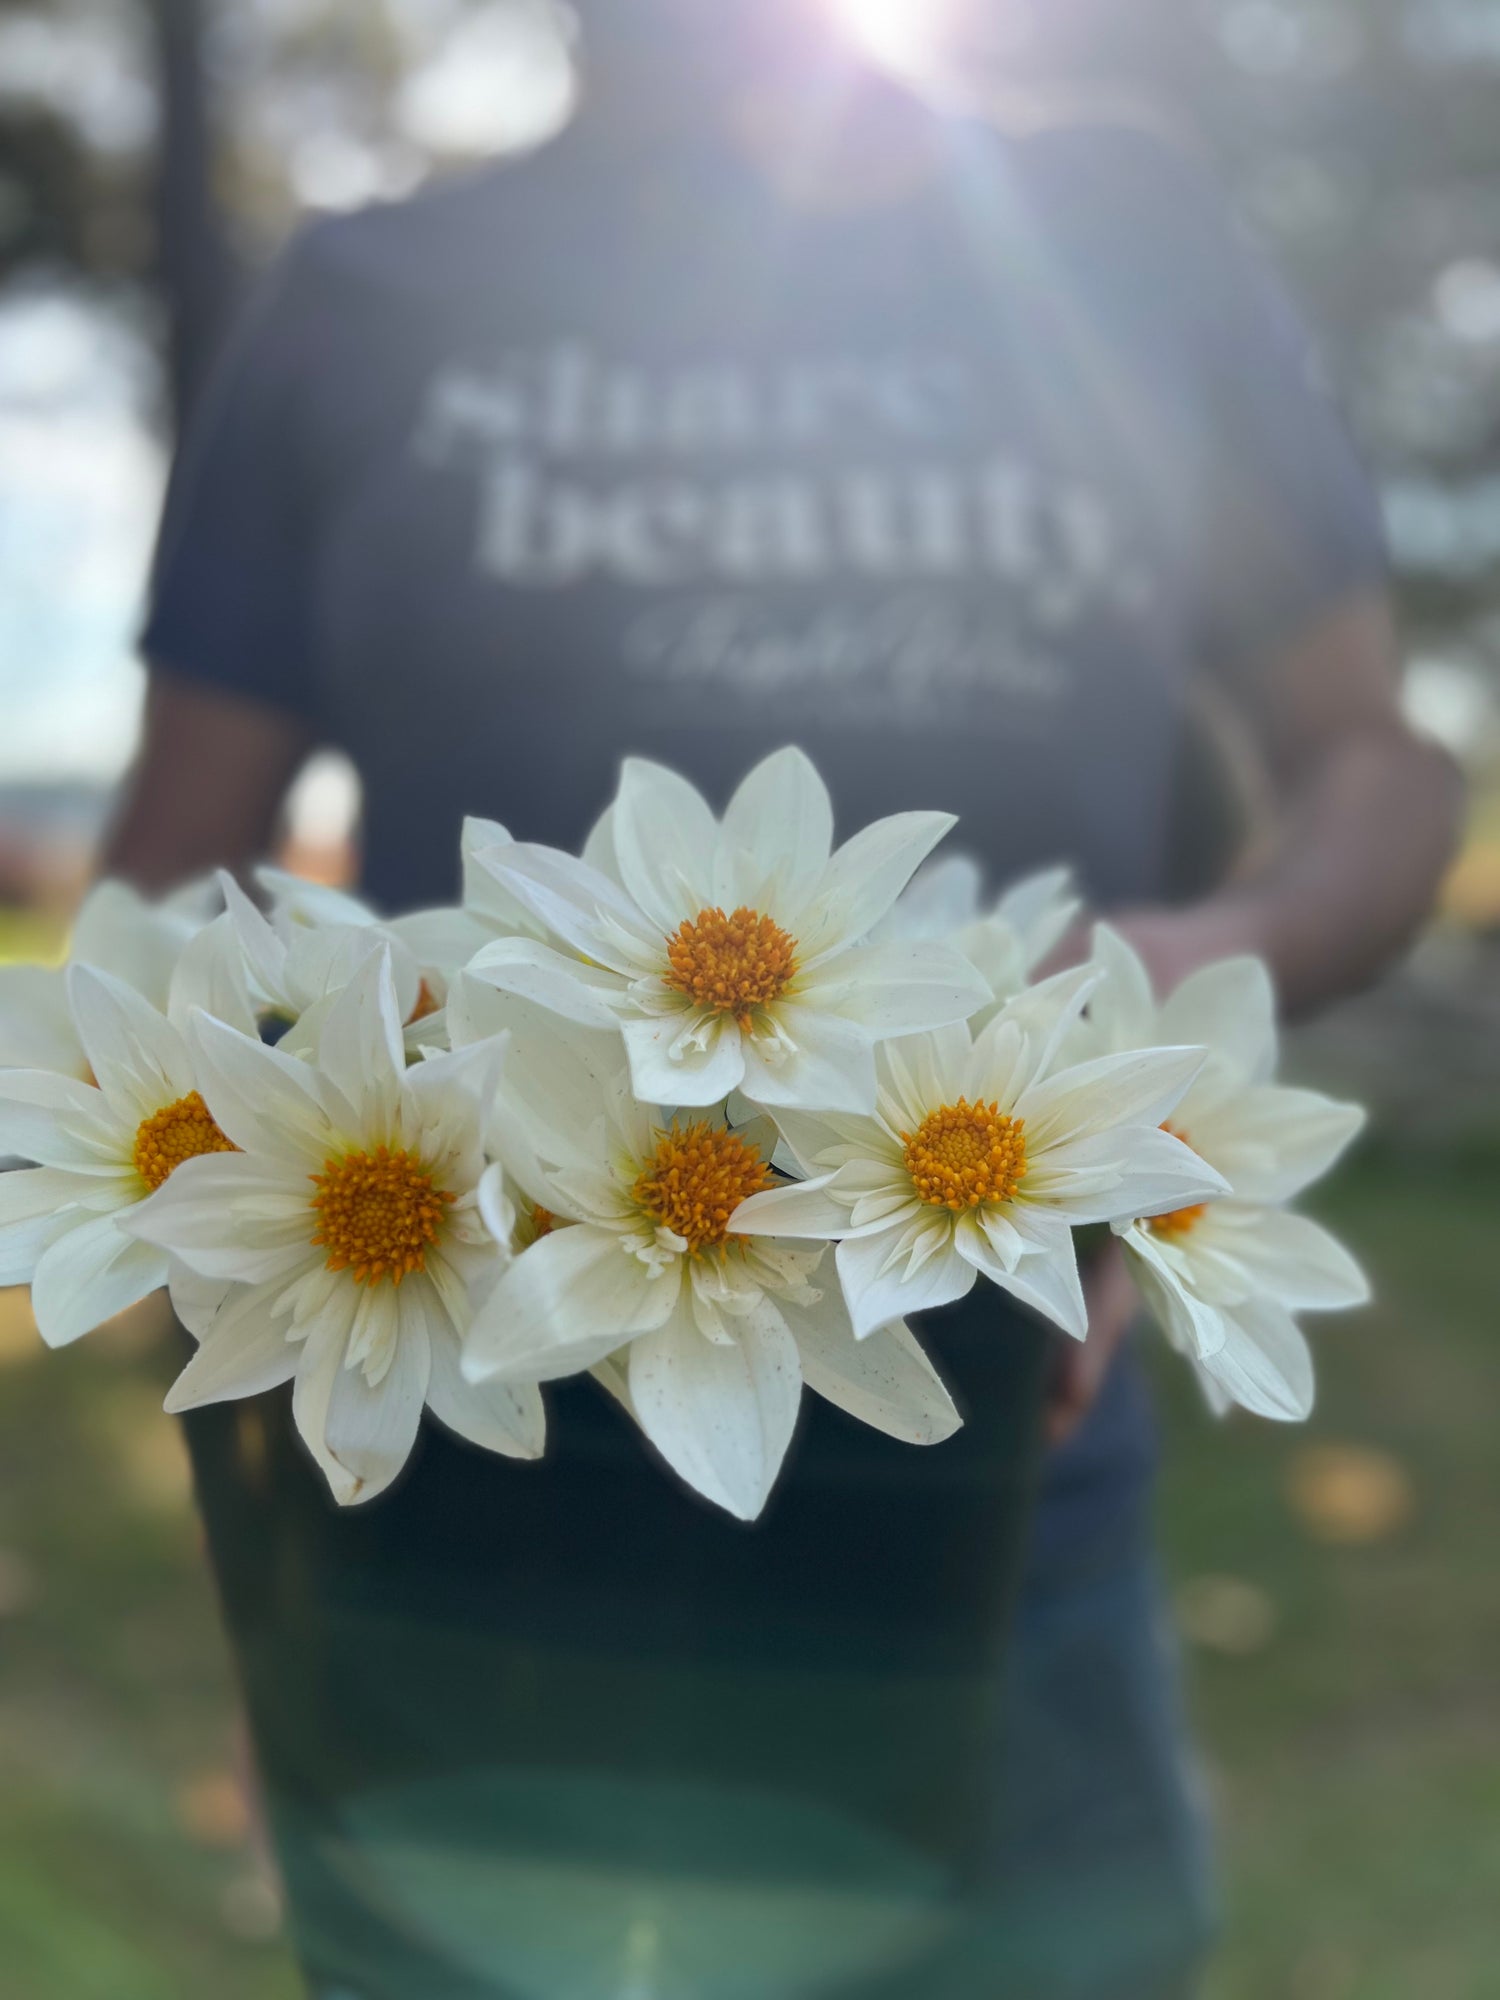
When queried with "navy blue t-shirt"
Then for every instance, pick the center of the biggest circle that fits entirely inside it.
(959, 492)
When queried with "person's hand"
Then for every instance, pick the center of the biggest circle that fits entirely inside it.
(1171, 942)
(1080, 1366)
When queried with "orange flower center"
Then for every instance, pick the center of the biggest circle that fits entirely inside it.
(731, 965)
(378, 1213)
(1179, 1221)
(427, 1003)
(964, 1155)
(696, 1179)
(535, 1222)
(179, 1131)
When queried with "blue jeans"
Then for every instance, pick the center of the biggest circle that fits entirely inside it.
(1106, 1847)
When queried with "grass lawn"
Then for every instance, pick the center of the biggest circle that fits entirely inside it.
(1339, 1583)
(1355, 1737)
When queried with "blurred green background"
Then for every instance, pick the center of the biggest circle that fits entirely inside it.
(1335, 1585)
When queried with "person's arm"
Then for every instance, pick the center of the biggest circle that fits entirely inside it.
(207, 785)
(1367, 821)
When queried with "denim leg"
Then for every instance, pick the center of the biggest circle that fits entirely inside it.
(1105, 1852)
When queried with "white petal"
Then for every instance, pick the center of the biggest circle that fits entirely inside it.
(242, 1352)
(1140, 1088)
(88, 1275)
(360, 1047)
(262, 950)
(1045, 1277)
(197, 1301)
(664, 842)
(36, 1029)
(1038, 910)
(322, 962)
(1193, 1327)
(33, 1204)
(804, 1209)
(449, 1095)
(262, 1099)
(505, 1417)
(722, 1417)
(692, 1077)
(898, 989)
(371, 1429)
(224, 1215)
(474, 1010)
(1218, 1399)
(574, 900)
(557, 1092)
(1295, 1260)
(1124, 1007)
(493, 907)
(59, 1122)
(829, 1067)
(1274, 1141)
(878, 1290)
(782, 819)
(1005, 1241)
(598, 849)
(1229, 1007)
(320, 1365)
(442, 939)
(1119, 1175)
(120, 932)
(613, 1376)
(818, 1141)
(312, 905)
(536, 972)
(1265, 1364)
(940, 899)
(211, 974)
(868, 872)
(564, 1304)
(139, 1059)
(919, 1073)
(885, 1379)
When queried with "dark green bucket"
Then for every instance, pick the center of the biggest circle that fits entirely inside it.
(564, 1732)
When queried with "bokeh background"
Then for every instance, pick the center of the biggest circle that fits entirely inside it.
(1336, 1586)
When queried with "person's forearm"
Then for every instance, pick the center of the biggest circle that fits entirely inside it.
(205, 789)
(1350, 880)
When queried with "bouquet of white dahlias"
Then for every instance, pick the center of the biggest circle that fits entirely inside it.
(708, 1112)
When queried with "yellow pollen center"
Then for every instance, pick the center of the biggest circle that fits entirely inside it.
(178, 1132)
(378, 1213)
(696, 1179)
(1179, 1221)
(964, 1155)
(731, 965)
(427, 1003)
(535, 1222)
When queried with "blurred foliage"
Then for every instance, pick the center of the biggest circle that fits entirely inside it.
(1364, 140)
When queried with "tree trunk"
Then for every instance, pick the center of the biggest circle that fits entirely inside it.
(195, 266)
